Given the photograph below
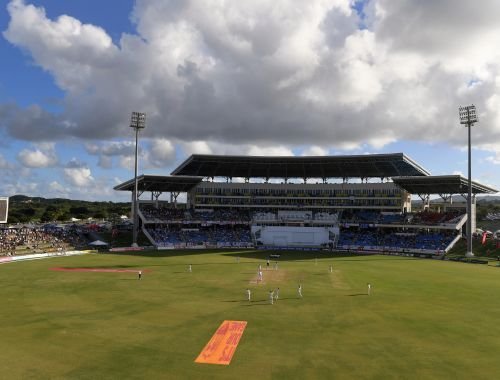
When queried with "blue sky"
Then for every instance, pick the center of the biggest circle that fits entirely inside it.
(261, 78)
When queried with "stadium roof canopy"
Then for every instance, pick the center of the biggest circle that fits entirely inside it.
(160, 183)
(356, 166)
(442, 184)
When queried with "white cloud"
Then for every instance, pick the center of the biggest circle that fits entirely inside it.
(197, 147)
(255, 150)
(127, 162)
(4, 164)
(494, 159)
(315, 151)
(161, 153)
(25, 188)
(78, 174)
(261, 77)
(58, 190)
(65, 47)
(43, 156)
(114, 148)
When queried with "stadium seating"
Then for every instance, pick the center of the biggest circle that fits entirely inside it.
(39, 238)
(231, 226)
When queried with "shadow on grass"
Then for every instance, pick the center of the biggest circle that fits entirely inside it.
(103, 267)
(237, 254)
(179, 252)
(307, 256)
(357, 294)
(257, 304)
(265, 302)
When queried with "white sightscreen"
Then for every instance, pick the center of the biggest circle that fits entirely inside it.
(4, 209)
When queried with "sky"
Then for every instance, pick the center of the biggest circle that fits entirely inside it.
(256, 77)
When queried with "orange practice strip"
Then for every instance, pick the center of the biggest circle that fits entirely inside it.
(220, 349)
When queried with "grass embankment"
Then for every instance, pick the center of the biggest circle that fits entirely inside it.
(485, 251)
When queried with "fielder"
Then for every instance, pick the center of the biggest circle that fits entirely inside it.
(271, 297)
(369, 288)
(249, 295)
(300, 290)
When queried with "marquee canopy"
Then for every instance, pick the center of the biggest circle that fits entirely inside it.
(353, 166)
(442, 184)
(160, 183)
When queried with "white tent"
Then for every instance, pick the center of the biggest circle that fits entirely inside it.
(98, 243)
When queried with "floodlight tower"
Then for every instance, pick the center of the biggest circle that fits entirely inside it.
(468, 117)
(138, 122)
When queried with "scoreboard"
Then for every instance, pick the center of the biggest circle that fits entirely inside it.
(4, 209)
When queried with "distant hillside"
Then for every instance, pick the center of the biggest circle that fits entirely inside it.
(23, 209)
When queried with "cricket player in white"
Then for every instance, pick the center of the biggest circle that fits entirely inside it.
(331, 268)
(249, 294)
(190, 268)
(369, 288)
(271, 297)
(300, 290)
(277, 293)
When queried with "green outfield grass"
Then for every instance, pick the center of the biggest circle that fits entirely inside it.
(425, 319)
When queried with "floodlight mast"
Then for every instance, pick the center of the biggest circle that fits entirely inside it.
(468, 117)
(138, 122)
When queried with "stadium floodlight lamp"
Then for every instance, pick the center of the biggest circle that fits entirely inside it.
(468, 117)
(138, 122)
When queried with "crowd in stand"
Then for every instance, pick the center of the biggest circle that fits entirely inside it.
(166, 235)
(421, 218)
(33, 239)
(395, 240)
(162, 213)
(231, 227)
(207, 226)
(434, 218)
(167, 214)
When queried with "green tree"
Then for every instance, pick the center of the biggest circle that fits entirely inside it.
(100, 214)
(78, 210)
(28, 212)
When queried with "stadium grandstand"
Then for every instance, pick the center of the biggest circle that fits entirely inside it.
(343, 203)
